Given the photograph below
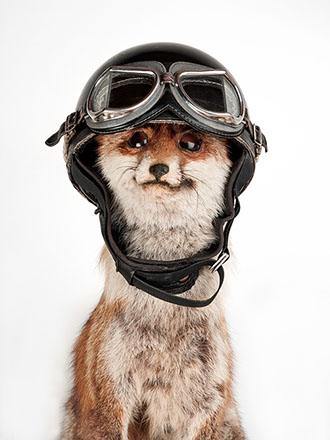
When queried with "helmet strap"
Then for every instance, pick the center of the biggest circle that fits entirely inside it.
(67, 128)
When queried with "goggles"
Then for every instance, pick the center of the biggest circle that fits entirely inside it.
(124, 93)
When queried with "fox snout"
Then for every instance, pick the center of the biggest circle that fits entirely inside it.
(152, 169)
(159, 170)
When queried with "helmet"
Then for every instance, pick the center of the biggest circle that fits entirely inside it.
(161, 82)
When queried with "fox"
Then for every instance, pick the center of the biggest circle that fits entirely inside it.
(146, 369)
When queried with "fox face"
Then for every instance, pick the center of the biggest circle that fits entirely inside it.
(163, 174)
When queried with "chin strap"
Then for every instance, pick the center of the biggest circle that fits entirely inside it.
(174, 299)
(161, 279)
(138, 278)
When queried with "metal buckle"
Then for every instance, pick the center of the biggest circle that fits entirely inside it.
(70, 122)
(257, 139)
(223, 257)
(73, 120)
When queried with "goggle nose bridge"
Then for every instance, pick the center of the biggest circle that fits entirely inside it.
(168, 78)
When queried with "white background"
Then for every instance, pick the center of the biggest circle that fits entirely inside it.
(279, 306)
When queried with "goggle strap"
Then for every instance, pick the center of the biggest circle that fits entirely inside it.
(256, 134)
(259, 140)
(67, 127)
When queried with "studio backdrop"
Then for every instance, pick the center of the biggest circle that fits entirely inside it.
(278, 308)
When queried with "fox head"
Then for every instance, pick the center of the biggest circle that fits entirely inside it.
(165, 175)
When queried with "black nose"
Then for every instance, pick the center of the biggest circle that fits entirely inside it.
(158, 170)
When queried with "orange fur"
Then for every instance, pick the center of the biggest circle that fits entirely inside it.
(163, 140)
(92, 405)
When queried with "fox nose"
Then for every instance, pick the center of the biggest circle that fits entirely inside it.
(158, 170)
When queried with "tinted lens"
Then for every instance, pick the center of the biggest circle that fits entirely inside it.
(120, 90)
(212, 93)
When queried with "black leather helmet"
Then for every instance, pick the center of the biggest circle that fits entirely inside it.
(161, 82)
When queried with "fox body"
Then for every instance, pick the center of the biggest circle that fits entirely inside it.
(144, 368)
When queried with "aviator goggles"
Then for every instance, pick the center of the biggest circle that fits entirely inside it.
(124, 93)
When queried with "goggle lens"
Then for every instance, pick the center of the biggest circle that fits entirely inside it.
(212, 93)
(121, 90)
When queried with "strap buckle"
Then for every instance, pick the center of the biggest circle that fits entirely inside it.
(223, 257)
(71, 122)
(258, 139)
(67, 128)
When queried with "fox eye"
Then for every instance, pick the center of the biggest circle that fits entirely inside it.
(190, 142)
(138, 139)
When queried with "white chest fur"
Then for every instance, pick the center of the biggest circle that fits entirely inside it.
(169, 359)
